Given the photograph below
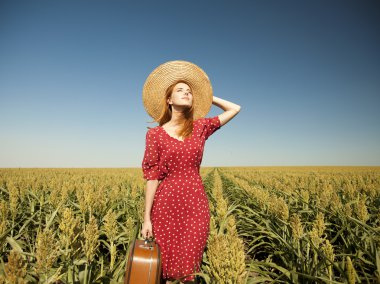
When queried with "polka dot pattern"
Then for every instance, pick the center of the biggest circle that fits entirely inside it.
(180, 212)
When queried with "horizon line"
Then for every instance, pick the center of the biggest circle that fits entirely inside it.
(251, 166)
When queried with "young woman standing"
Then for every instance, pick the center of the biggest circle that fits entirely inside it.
(178, 95)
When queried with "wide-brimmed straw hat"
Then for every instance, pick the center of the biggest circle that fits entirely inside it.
(168, 73)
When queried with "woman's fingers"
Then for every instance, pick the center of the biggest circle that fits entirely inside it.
(147, 231)
(144, 233)
(147, 234)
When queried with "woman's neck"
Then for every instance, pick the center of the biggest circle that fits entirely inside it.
(177, 118)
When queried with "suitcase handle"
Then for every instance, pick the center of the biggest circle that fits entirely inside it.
(150, 240)
(149, 243)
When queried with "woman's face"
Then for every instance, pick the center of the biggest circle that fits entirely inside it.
(181, 95)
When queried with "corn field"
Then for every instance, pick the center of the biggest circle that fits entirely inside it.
(268, 224)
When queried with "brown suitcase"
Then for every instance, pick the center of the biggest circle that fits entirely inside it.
(144, 263)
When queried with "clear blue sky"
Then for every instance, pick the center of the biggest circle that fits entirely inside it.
(306, 73)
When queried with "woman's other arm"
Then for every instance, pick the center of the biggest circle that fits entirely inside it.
(230, 109)
(151, 187)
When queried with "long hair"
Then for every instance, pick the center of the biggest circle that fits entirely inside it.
(188, 115)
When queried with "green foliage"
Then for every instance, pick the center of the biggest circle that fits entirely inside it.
(268, 224)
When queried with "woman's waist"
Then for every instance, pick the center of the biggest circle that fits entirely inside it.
(182, 172)
(183, 175)
(184, 179)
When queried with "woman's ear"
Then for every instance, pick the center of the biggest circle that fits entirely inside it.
(169, 101)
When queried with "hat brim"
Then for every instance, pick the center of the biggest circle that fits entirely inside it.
(168, 73)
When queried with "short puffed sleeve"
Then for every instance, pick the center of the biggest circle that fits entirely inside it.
(211, 124)
(150, 163)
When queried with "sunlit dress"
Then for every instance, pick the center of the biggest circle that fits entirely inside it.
(180, 212)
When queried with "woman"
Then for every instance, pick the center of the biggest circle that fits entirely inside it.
(176, 205)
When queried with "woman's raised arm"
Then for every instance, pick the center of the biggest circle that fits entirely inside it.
(230, 109)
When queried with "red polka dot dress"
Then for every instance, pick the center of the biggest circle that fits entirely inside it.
(180, 212)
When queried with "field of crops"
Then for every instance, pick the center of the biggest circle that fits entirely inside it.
(268, 224)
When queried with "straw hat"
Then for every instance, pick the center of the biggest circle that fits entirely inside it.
(165, 75)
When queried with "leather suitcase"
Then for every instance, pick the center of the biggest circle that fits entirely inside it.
(144, 263)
